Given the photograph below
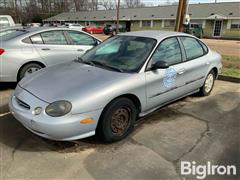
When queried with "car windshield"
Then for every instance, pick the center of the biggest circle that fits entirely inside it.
(122, 53)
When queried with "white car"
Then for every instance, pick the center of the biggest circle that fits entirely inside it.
(75, 26)
(25, 51)
(6, 21)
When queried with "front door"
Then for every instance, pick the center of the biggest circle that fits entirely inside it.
(163, 85)
(80, 42)
(217, 28)
(128, 26)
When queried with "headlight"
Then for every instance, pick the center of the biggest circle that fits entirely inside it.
(58, 108)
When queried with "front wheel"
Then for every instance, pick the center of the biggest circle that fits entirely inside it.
(117, 120)
(207, 87)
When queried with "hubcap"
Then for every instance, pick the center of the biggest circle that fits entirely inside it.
(209, 83)
(31, 70)
(120, 121)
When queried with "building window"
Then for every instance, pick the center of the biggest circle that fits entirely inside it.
(146, 23)
(169, 23)
(195, 25)
(235, 24)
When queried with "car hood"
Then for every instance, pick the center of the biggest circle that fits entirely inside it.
(69, 81)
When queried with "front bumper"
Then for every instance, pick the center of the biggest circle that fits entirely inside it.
(63, 128)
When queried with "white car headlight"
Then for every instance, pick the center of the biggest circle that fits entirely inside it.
(58, 108)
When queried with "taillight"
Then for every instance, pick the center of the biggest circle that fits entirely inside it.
(1, 51)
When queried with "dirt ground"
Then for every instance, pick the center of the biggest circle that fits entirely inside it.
(224, 47)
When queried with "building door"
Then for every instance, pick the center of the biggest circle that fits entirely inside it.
(128, 26)
(217, 28)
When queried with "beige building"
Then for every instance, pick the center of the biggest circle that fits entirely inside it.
(218, 20)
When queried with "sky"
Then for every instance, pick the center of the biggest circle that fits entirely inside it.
(158, 2)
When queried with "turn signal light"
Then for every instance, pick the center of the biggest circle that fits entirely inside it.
(1, 51)
(86, 121)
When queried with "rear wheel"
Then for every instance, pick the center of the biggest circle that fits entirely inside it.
(28, 70)
(207, 87)
(117, 120)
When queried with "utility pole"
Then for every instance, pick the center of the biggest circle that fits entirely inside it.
(117, 26)
(182, 7)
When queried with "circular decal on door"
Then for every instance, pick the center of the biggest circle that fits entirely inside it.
(169, 77)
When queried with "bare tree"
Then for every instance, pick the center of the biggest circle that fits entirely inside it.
(107, 4)
(133, 3)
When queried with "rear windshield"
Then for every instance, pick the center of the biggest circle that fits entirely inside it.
(13, 34)
(2, 33)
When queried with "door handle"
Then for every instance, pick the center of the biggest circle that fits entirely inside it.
(181, 71)
(45, 49)
(80, 50)
(207, 63)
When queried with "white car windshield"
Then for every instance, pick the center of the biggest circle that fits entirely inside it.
(125, 53)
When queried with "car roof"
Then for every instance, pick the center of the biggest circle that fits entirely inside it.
(154, 34)
(35, 29)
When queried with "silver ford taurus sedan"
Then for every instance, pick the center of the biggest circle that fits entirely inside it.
(105, 91)
(24, 51)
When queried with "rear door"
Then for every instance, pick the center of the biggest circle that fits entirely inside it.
(196, 64)
(80, 42)
(53, 47)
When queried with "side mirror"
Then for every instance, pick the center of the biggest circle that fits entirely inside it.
(160, 65)
(97, 42)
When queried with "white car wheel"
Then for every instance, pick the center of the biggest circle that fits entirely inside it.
(31, 70)
(209, 83)
(207, 87)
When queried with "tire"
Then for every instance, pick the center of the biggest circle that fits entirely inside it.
(25, 69)
(117, 120)
(207, 87)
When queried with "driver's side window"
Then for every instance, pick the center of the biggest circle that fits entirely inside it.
(168, 51)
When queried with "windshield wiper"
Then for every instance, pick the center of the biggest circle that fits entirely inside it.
(80, 60)
(107, 66)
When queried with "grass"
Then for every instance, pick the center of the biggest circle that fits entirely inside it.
(231, 66)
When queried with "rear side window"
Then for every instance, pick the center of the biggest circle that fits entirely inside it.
(192, 47)
(79, 38)
(36, 39)
(27, 40)
(205, 48)
(54, 37)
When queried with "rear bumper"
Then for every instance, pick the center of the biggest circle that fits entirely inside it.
(63, 128)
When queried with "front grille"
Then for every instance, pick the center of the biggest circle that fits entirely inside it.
(22, 104)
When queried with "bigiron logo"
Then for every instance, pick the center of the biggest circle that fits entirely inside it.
(202, 171)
